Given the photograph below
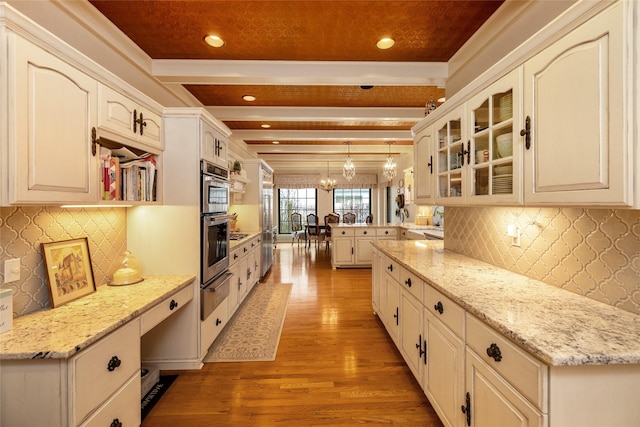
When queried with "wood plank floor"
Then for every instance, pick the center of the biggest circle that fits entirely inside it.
(336, 365)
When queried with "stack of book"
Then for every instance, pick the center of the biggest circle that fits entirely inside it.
(127, 176)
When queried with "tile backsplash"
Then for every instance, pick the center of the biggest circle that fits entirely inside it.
(591, 252)
(22, 229)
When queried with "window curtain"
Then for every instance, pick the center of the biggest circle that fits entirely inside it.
(313, 181)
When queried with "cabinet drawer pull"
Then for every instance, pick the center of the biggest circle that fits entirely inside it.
(397, 317)
(386, 232)
(115, 423)
(430, 164)
(390, 267)
(439, 307)
(422, 354)
(113, 363)
(466, 408)
(364, 232)
(493, 351)
(218, 321)
(343, 233)
(408, 282)
(526, 132)
(173, 304)
(235, 256)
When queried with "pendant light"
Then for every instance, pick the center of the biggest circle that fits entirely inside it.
(327, 184)
(389, 170)
(348, 170)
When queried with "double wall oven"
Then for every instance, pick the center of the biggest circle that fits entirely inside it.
(215, 231)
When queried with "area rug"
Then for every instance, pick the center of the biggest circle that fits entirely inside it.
(253, 333)
(153, 396)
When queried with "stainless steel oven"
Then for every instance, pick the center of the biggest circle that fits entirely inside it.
(215, 246)
(215, 188)
(213, 294)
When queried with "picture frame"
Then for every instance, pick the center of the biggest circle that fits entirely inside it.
(69, 270)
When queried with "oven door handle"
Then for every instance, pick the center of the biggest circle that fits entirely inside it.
(217, 282)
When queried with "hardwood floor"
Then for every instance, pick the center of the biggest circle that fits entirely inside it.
(336, 365)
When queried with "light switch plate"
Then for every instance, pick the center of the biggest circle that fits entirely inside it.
(11, 270)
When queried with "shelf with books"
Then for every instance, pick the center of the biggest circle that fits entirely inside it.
(129, 175)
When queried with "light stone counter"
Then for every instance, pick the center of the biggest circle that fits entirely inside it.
(63, 331)
(557, 326)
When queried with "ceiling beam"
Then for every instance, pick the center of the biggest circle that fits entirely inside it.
(231, 72)
(338, 114)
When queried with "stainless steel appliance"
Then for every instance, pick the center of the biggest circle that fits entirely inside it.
(213, 294)
(267, 221)
(215, 246)
(215, 188)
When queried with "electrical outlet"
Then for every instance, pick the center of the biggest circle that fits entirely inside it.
(513, 231)
(11, 270)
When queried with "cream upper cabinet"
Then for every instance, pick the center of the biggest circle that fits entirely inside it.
(450, 156)
(52, 111)
(423, 167)
(580, 149)
(128, 118)
(213, 146)
(493, 156)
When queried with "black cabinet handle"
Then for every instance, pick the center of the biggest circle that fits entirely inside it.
(115, 423)
(364, 232)
(408, 282)
(173, 304)
(494, 352)
(396, 316)
(390, 267)
(422, 354)
(439, 307)
(343, 233)
(526, 132)
(114, 362)
(466, 408)
(218, 321)
(244, 249)
(386, 232)
(138, 121)
(430, 164)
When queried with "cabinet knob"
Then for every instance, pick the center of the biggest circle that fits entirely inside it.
(343, 233)
(408, 282)
(439, 307)
(235, 256)
(466, 408)
(526, 132)
(114, 362)
(115, 423)
(386, 232)
(390, 267)
(364, 232)
(493, 351)
(173, 304)
(218, 321)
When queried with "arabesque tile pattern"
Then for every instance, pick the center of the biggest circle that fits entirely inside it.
(591, 252)
(23, 229)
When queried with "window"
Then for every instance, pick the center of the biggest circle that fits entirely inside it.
(301, 200)
(356, 200)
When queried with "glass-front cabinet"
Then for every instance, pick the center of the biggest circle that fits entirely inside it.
(450, 150)
(493, 154)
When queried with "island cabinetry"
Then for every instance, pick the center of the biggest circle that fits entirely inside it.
(386, 233)
(342, 247)
(120, 115)
(362, 244)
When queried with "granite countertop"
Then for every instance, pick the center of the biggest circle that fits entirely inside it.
(363, 225)
(249, 235)
(61, 332)
(557, 326)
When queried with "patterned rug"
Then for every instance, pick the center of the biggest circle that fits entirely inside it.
(253, 333)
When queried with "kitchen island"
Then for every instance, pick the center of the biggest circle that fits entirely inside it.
(80, 362)
(511, 348)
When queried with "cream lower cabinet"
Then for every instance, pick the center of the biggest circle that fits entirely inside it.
(376, 297)
(362, 244)
(351, 247)
(100, 383)
(342, 249)
(53, 112)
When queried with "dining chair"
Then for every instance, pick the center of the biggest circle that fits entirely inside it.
(314, 231)
(349, 218)
(369, 219)
(297, 230)
(332, 218)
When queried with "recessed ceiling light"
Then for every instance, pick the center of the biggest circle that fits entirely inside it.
(275, 142)
(441, 100)
(249, 98)
(385, 43)
(265, 126)
(214, 41)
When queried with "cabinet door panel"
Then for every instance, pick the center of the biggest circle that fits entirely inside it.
(423, 168)
(55, 111)
(411, 332)
(392, 308)
(575, 90)
(363, 250)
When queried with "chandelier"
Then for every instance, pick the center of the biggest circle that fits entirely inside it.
(327, 184)
(389, 170)
(348, 170)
